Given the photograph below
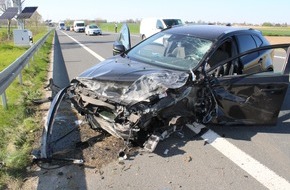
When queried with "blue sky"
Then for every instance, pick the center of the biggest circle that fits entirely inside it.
(249, 11)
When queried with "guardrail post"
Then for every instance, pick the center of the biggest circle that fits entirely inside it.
(20, 78)
(4, 100)
(31, 59)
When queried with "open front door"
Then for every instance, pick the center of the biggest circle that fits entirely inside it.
(253, 99)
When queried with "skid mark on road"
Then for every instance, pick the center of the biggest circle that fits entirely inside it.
(86, 48)
(261, 173)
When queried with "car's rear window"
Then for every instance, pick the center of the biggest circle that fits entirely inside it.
(172, 22)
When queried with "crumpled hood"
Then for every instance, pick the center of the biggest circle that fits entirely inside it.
(119, 69)
(139, 90)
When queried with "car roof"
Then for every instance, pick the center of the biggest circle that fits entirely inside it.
(210, 32)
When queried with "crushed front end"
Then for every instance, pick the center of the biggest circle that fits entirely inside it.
(147, 111)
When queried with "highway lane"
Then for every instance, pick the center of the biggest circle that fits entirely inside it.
(188, 164)
(77, 59)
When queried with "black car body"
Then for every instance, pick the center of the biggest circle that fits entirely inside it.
(144, 93)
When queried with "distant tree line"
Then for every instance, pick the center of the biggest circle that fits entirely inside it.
(275, 24)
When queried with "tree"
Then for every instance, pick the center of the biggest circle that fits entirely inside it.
(18, 3)
(4, 5)
(267, 24)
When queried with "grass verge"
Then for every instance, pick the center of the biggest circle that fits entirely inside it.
(19, 124)
(274, 31)
(9, 53)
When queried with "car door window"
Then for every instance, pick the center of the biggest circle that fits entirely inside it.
(258, 41)
(245, 43)
(222, 53)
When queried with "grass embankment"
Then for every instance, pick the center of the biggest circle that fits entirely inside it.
(9, 53)
(18, 124)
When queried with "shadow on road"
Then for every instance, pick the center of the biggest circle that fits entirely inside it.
(65, 136)
(60, 75)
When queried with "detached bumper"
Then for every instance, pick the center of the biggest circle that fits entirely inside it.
(46, 151)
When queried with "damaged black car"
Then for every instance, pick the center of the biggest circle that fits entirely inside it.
(182, 75)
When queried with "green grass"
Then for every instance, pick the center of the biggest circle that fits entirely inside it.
(110, 27)
(19, 123)
(9, 53)
(38, 32)
(274, 31)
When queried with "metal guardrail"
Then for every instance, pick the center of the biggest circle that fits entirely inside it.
(8, 75)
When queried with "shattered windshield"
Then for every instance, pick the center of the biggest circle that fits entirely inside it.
(176, 51)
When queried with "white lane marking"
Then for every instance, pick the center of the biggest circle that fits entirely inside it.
(261, 173)
(280, 57)
(86, 48)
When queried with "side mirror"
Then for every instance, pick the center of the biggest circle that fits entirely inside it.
(118, 48)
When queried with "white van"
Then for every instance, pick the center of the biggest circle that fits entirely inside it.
(150, 26)
(79, 26)
(61, 25)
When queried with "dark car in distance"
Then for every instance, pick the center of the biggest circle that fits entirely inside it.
(186, 74)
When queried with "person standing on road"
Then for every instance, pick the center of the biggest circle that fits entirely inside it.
(116, 27)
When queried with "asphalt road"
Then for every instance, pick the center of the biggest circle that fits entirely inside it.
(228, 158)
